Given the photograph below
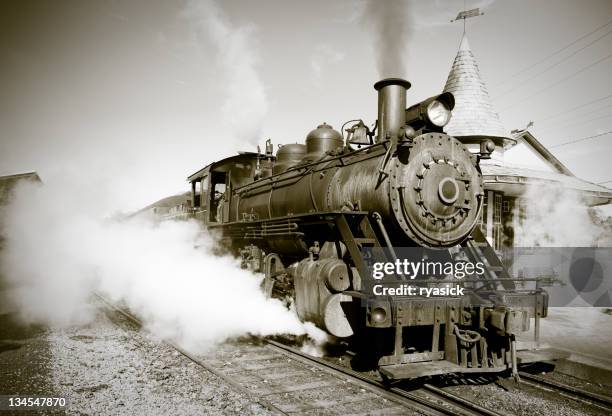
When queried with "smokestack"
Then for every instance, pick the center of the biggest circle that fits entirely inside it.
(391, 107)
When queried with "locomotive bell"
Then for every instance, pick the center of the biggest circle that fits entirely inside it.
(391, 108)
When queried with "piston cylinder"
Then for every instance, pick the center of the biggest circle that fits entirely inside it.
(318, 294)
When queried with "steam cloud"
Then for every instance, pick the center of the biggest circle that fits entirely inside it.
(556, 217)
(392, 27)
(56, 254)
(60, 247)
(245, 104)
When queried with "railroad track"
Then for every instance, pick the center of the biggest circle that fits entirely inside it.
(429, 400)
(193, 358)
(465, 406)
(250, 366)
(574, 393)
(432, 398)
(387, 401)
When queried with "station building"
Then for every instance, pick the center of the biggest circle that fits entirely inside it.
(8, 183)
(506, 178)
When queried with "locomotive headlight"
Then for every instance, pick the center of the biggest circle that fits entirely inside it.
(438, 113)
(432, 113)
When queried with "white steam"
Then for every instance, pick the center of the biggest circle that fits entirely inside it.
(392, 26)
(56, 254)
(555, 216)
(60, 247)
(245, 103)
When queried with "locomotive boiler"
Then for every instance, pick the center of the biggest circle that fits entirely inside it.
(315, 217)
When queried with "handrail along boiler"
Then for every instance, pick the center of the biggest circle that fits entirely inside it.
(315, 216)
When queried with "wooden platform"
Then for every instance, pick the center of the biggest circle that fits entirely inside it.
(543, 354)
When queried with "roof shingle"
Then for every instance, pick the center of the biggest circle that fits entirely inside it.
(473, 114)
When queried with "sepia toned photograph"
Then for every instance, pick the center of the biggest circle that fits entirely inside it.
(289, 207)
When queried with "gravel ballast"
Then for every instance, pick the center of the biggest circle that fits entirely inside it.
(105, 369)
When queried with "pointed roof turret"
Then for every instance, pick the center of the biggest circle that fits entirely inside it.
(473, 115)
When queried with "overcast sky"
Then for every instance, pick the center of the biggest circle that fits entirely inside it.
(133, 96)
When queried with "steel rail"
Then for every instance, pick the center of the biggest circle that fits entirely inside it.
(439, 402)
(265, 403)
(380, 391)
(466, 407)
(459, 400)
(576, 393)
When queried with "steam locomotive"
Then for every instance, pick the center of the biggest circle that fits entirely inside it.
(314, 217)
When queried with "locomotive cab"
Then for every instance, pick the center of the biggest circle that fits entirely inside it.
(199, 192)
(211, 186)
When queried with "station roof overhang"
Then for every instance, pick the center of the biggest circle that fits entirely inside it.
(514, 181)
(8, 183)
(504, 142)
